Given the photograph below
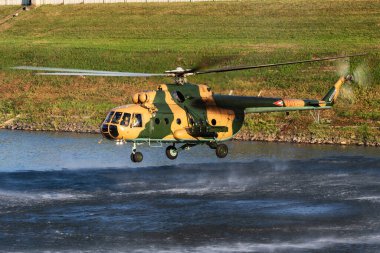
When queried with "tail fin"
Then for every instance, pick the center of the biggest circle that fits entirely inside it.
(333, 93)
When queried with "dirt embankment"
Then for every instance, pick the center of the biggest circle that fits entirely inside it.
(305, 138)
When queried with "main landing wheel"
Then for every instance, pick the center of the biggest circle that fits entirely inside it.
(221, 150)
(171, 152)
(137, 157)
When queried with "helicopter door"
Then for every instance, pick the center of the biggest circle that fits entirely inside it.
(154, 125)
(151, 128)
(231, 115)
(160, 125)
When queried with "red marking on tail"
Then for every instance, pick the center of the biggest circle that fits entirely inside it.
(279, 103)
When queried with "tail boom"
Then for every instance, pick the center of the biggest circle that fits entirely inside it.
(264, 104)
(333, 93)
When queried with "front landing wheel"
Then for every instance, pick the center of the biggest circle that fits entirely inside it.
(221, 150)
(137, 157)
(171, 152)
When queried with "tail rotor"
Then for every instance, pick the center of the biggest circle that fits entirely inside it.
(359, 77)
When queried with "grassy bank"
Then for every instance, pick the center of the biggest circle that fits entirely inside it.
(158, 37)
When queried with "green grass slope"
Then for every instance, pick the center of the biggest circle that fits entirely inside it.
(157, 37)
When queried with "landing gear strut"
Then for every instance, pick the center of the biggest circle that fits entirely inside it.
(136, 157)
(171, 152)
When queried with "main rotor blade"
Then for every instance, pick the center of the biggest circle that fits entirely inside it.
(209, 62)
(271, 65)
(82, 72)
(58, 69)
(116, 74)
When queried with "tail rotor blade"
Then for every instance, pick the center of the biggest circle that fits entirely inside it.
(343, 67)
(361, 75)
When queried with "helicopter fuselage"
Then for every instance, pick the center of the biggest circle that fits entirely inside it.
(193, 114)
(173, 113)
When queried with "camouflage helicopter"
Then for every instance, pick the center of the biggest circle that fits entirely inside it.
(190, 114)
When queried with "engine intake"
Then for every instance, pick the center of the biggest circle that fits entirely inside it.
(143, 97)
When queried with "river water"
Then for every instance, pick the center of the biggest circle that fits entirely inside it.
(67, 193)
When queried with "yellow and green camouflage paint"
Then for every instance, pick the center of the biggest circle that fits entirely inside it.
(192, 113)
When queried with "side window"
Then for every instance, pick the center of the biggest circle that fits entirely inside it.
(117, 117)
(109, 117)
(137, 120)
(125, 119)
(177, 95)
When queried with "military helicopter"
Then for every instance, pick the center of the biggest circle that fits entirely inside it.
(190, 114)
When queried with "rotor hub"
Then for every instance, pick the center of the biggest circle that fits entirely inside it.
(179, 74)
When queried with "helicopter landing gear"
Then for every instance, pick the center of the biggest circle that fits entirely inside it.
(136, 157)
(221, 150)
(171, 152)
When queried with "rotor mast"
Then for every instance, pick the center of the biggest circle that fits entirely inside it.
(179, 75)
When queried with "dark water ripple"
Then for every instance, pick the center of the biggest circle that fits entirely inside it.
(266, 205)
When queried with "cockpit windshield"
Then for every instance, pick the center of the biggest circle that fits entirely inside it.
(109, 116)
(125, 119)
(117, 117)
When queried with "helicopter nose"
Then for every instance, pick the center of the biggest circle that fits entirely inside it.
(109, 131)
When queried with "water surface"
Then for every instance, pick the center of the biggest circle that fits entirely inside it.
(67, 193)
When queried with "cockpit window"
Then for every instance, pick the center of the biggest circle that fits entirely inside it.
(117, 117)
(137, 120)
(109, 116)
(125, 119)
